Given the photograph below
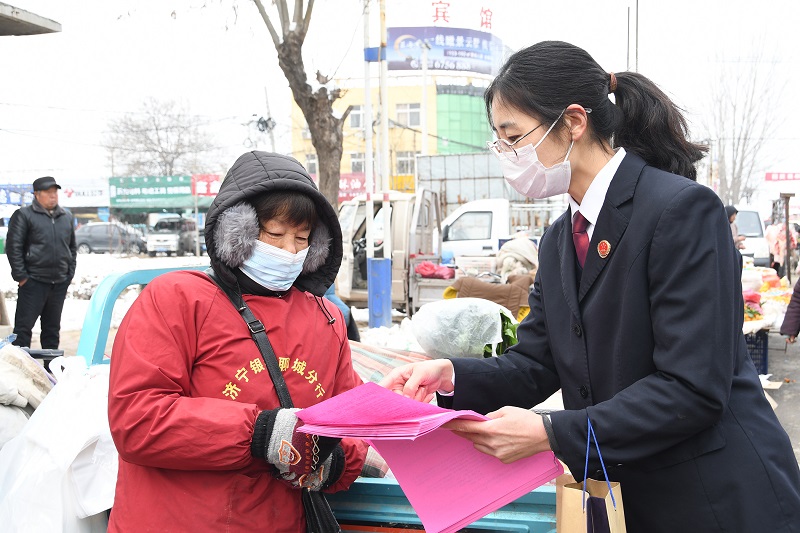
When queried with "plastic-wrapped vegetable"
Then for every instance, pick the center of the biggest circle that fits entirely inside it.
(458, 327)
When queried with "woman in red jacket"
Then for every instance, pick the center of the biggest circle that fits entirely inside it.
(202, 440)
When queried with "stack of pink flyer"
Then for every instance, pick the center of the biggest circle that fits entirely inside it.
(448, 482)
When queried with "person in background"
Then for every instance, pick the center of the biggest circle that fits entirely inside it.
(636, 312)
(791, 321)
(738, 240)
(775, 234)
(42, 252)
(203, 442)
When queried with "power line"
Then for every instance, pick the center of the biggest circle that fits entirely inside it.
(445, 139)
(100, 111)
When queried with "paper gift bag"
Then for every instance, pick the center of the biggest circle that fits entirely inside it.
(561, 481)
(592, 506)
(598, 515)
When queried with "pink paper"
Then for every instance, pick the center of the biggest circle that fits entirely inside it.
(450, 484)
(370, 411)
(447, 481)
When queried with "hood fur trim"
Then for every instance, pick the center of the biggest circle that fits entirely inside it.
(237, 231)
(236, 234)
(319, 244)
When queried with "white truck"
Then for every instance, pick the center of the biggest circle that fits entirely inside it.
(172, 235)
(415, 237)
(480, 227)
(481, 209)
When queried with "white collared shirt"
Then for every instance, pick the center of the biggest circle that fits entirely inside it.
(596, 193)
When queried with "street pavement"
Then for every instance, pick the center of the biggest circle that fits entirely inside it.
(783, 364)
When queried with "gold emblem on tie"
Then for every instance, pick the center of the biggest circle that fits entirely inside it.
(603, 248)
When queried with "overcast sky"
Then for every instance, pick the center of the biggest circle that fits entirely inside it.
(58, 92)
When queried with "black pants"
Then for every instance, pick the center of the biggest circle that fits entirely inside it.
(36, 299)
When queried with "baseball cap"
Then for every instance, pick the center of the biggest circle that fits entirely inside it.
(42, 184)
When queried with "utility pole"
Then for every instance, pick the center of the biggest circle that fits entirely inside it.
(369, 181)
(385, 184)
(635, 44)
(379, 270)
(424, 113)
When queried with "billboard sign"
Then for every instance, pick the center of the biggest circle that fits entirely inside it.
(16, 194)
(151, 191)
(84, 196)
(451, 49)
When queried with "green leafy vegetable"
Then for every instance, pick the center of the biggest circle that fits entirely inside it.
(508, 329)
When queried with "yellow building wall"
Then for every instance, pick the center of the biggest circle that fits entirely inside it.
(401, 139)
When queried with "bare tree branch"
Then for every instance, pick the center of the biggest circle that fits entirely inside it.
(307, 18)
(741, 98)
(317, 106)
(298, 14)
(265, 17)
(167, 141)
(283, 14)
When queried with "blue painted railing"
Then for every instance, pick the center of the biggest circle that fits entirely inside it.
(97, 322)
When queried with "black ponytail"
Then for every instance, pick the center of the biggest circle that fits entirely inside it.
(543, 79)
(654, 127)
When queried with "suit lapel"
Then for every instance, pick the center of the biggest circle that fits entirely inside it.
(566, 256)
(612, 223)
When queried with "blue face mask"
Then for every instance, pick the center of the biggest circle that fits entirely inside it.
(272, 267)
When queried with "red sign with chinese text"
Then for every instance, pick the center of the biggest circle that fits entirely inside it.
(206, 184)
(782, 176)
(351, 184)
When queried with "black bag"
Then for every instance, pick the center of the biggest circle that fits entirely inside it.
(319, 516)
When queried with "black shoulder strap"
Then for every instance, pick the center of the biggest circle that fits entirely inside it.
(259, 335)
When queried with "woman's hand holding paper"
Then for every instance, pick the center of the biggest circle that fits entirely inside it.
(420, 381)
(512, 433)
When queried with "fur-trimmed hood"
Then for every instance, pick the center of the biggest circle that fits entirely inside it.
(232, 226)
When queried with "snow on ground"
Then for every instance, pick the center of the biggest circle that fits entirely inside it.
(89, 272)
(399, 336)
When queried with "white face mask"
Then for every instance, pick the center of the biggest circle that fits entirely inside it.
(272, 267)
(528, 176)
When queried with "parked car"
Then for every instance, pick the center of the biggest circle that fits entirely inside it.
(749, 224)
(108, 237)
(172, 235)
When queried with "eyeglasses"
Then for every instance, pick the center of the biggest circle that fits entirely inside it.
(505, 148)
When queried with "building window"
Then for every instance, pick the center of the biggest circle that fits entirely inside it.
(357, 117)
(357, 162)
(311, 163)
(406, 162)
(408, 114)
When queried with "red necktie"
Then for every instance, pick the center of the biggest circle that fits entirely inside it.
(580, 237)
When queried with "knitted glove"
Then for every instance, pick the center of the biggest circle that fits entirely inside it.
(300, 460)
(374, 465)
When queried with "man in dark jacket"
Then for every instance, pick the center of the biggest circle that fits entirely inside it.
(41, 249)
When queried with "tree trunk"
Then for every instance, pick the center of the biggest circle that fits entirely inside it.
(317, 108)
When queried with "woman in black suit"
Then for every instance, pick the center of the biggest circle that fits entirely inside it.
(636, 312)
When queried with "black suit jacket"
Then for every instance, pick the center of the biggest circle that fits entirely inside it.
(647, 342)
